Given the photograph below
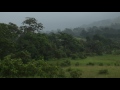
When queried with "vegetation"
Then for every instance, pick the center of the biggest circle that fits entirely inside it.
(103, 71)
(26, 52)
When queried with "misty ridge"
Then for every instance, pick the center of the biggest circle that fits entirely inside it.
(101, 23)
(113, 23)
(106, 22)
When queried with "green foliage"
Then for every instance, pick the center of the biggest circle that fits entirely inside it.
(117, 64)
(31, 69)
(101, 64)
(74, 56)
(117, 52)
(61, 73)
(103, 71)
(91, 64)
(53, 71)
(24, 55)
(77, 64)
(7, 40)
(11, 67)
(82, 55)
(69, 69)
(108, 64)
(31, 25)
(75, 73)
(66, 63)
(59, 54)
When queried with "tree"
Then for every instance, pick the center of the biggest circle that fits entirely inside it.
(14, 28)
(68, 31)
(31, 25)
(83, 33)
(7, 45)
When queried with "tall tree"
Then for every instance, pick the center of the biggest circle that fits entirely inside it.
(31, 25)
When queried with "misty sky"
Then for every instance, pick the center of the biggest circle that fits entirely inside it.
(57, 20)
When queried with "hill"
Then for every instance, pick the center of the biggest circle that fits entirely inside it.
(106, 22)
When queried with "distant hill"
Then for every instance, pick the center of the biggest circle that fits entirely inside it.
(106, 22)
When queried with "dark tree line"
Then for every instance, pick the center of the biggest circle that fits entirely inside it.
(112, 31)
(26, 42)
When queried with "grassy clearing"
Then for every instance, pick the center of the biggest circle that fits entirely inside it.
(105, 59)
(92, 71)
(111, 63)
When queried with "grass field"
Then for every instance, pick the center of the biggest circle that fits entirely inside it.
(91, 66)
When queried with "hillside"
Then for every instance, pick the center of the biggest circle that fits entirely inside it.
(106, 22)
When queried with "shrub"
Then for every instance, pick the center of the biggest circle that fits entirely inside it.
(75, 73)
(82, 55)
(108, 52)
(11, 67)
(117, 52)
(69, 69)
(66, 63)
(74, 56)
(24, 55)
(61, 73)
(108, 64)
(117, 64)
(91, 54)
(77, 64)
(57, 63)
(91, 64)
(100, 64)
(59, 54)
(103, 71)
(15, 68)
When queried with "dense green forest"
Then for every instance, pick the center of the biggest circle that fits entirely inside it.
(25, 51)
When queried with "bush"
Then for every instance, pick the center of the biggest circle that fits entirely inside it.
(108, 64)
(91, 54)
(82, 55)
(108, 52)
(77, 64)
(30, 69)
(59, 54)
(66, 63)
(11, 67)
(24, 55)
(100, 64)
(103, 71)
(69, 69)
(117, 52)
(74, 56)
(117, 64)
(15, 68)
(57, 63)
(61, 73)
(75, 73)
(91, 64)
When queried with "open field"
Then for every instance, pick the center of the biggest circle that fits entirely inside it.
(91, 66)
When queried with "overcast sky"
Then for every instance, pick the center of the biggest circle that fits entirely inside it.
(57, 20)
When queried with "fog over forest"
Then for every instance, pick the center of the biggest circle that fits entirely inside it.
(72, 44)
(58, 20)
